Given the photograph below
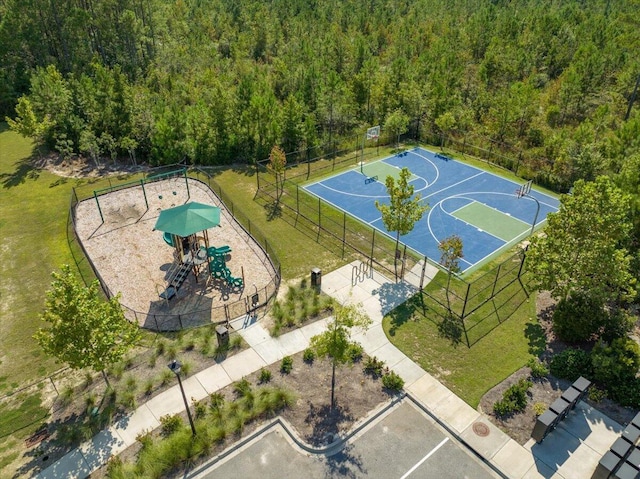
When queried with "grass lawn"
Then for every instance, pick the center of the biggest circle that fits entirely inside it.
(34, 205)
(297, 252)
(468, 372)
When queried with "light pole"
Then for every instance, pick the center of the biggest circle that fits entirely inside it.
(175, 369)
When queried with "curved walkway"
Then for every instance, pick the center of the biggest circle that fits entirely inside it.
(572, 451)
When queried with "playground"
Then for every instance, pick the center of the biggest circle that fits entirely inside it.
(168, 279)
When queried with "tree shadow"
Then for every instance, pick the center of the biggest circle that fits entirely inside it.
(273, 210)
(58, 437)
(325, 423)
(451, 328)
(536, 337)
(345, 464)
(24, 171)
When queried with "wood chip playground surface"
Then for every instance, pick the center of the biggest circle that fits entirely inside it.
(134, 260)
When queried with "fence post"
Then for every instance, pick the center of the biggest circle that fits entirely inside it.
(495, 281)
(180, 321)
(464, 305)
(297, 199)
(524, 256)
(98, 203)
(344, 231)
(373, 241)
(319, 215)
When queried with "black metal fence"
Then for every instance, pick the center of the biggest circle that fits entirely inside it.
(476, 306)
(221, 314)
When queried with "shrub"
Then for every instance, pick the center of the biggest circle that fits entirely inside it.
(374, 366)
(199, 409)
(287, 365)
(392, 381)
(242, 387)
(538, 369)
(189, 345)
(308, 356)
(216, 401)
(265, 376)
(578, 318)
(148, 387)
(514, 399)
(355, 352)
(166, 377)
(160, 348)
(616, 363)
(596, 394)
(539, 408)
(235, 342)
(571, 364)
(186, 368)
(128, 399)
(626, 393)
(170, 424)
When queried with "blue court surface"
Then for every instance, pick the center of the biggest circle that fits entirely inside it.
(478, 206)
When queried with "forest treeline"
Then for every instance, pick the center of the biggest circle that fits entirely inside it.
(222, 81)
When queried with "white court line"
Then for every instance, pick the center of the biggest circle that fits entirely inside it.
(425, 458)
(455, 184)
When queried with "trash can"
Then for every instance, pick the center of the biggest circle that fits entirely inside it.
(316, 278)
(223, 335)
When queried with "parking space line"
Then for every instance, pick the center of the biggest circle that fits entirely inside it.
(417, 465)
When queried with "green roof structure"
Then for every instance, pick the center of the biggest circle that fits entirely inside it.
(188, 219)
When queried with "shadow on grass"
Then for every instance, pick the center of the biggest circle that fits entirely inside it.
(400, 315)
(536, 337)
(24, 170)
(274, 210)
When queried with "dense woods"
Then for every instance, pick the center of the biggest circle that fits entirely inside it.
(221, 81)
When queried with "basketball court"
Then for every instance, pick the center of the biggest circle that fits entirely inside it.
(488, 212)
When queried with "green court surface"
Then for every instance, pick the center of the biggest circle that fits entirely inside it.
(382, 170)
(492, 221)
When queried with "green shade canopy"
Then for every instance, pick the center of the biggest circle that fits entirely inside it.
(188, 219)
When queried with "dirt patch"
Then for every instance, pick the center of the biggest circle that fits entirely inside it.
(545, 390)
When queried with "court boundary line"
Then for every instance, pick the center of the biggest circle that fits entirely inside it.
(418, 152)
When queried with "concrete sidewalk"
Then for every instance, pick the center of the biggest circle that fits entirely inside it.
(570, 452)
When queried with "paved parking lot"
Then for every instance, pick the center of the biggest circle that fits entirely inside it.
(405, 443)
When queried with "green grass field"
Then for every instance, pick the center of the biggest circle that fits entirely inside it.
(33, 216)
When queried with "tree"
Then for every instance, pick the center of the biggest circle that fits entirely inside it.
(451, 252)
(84, 330)
(335, 342)
(404, 209)
(445, 123)
(583, 253)
(397, 123)
(276, 166)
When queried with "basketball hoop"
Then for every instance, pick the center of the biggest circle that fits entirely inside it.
(373, 133)
(524, 190)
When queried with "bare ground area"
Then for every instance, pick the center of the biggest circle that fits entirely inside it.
(544, 390)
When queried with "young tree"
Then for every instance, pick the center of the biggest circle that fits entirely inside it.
(276, 166)
(84, 329)
(397, 123)
(335, 342)
(450, 254)
(583, 253)
(404, 208)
